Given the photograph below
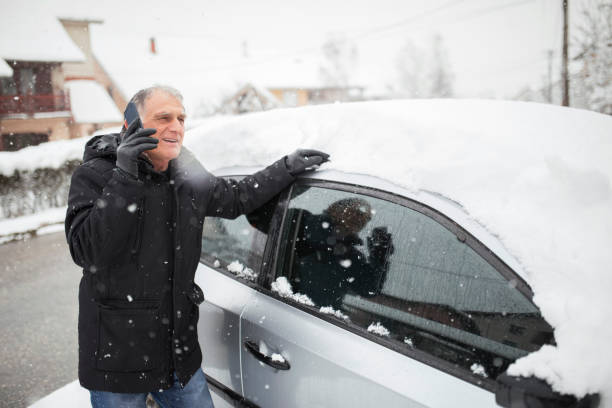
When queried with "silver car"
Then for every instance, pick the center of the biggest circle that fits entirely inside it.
(349, 291)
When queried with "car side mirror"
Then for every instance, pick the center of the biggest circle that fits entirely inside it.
(531, 392)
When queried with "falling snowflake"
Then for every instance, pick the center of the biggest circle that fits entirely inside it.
(346, 263)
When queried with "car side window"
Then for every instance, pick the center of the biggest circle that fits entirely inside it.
(238, 245)
(396, 273)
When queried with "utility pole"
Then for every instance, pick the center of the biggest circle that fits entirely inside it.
(550, 85)
(564, 68)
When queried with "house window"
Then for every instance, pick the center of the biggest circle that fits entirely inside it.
(8, 86)
(290, 98)
(27, 79)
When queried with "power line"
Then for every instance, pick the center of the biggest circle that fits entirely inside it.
(478, 13)
(489, 10)
(366, 34)
(376, 30)
(516, 67)
(311, 50)
(408, 20)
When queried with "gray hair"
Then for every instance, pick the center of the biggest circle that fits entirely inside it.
(141, 96)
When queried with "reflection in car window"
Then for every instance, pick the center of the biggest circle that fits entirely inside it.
(237, 245)
(399, 274)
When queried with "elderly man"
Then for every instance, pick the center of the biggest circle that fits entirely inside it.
(134, 223)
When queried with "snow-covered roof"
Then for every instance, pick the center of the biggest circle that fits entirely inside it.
(5, 69)
(202, 70)
(537, 176)
(91, 103)
(29, 34)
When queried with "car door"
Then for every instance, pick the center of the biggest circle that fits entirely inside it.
(232, 253)
(376, 300)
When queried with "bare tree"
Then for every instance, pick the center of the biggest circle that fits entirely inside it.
(411, 77)
(593, 45)
(441, 77)
(340, 58)
(423, 73)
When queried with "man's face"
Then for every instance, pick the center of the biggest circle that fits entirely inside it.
(165, 113)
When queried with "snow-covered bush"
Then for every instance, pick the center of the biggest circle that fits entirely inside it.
(30, 191)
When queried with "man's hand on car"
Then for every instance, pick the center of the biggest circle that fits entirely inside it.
(133, 141)
(305, 159)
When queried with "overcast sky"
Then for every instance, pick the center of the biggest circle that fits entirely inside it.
(495, 46)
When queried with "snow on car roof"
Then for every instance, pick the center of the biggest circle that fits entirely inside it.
(536, 176)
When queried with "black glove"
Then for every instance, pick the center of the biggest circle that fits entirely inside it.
(304, 159)
(380, 245)
(133, 141)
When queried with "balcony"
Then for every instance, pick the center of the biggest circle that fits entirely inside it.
(31, 104)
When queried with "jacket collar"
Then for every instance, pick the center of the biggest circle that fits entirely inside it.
(185, 168)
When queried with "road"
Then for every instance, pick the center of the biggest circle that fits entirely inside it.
(38, 319)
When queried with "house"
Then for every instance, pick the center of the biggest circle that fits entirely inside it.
(313, 95)
(51, 85)
(249, 98)
(287, 83)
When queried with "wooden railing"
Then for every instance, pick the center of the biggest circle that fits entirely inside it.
(30, 104)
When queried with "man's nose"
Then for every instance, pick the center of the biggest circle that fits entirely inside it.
(176, 125)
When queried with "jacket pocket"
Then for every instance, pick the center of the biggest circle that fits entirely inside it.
(129, 336)
(188, 329)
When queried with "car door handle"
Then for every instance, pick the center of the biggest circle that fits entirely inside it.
(253, 348)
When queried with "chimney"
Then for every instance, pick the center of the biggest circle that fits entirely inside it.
(153, 48)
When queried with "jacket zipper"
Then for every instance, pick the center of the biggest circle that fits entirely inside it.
(138, 242)
(176, 243)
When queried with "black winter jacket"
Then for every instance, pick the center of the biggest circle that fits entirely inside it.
(139, 244)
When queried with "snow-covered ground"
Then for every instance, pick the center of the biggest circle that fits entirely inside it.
(70, 396)
(44, 222)
(537, 176)
(46, 155)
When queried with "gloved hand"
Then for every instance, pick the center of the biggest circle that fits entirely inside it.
(303, 159)
(380, 245)
(133, 141)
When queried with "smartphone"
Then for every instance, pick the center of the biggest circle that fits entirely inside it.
(130, 115)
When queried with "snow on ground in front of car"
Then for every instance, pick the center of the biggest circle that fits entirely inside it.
(70, 396)
(537, 176)
(284, 290)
